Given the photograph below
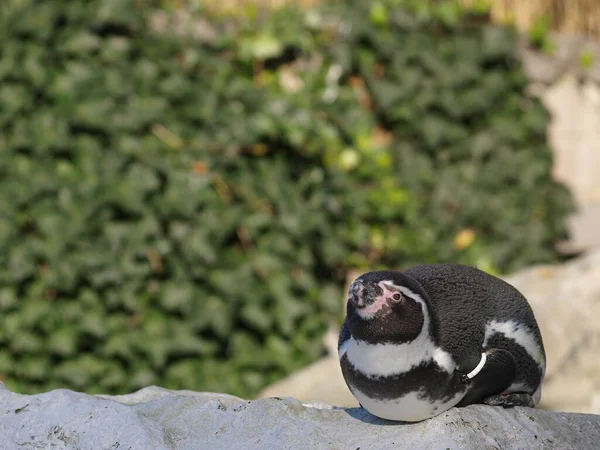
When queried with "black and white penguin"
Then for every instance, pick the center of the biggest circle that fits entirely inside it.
(418, 342)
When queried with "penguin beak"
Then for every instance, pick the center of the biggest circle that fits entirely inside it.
(357, 293)
(361, 295)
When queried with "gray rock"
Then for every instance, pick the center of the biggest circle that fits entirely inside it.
(156, 418)
(566, 302)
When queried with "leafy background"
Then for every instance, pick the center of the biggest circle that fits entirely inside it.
(181, 208)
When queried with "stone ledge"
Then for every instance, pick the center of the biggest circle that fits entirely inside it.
(155, 418)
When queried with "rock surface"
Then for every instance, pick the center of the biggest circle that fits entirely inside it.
(566, 302)
(574, 135)
(155, 418)
(567, 80)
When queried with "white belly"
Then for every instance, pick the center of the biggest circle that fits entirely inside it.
(408, 408)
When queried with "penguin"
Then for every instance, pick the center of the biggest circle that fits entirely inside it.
(419, 342)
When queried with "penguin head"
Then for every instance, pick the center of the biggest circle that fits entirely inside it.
(386, 306)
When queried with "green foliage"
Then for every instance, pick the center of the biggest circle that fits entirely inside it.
(183, 213)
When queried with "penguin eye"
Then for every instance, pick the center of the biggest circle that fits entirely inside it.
(396, 296)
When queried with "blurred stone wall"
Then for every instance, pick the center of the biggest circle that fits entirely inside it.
(568, 81)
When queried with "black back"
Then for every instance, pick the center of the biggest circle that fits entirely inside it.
(463, 300)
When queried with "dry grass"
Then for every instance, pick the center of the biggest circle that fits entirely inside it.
(237, 6)
(571, 16)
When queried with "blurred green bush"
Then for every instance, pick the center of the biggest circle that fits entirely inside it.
(181, 210)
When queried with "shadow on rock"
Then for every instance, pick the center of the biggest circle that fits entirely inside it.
(366, 417)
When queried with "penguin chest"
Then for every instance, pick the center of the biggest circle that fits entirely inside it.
(400, 381)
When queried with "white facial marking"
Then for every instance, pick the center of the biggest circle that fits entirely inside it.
(375, 360)
(409, 407)
(521, 335)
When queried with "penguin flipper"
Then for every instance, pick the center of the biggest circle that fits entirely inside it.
(497, 374)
